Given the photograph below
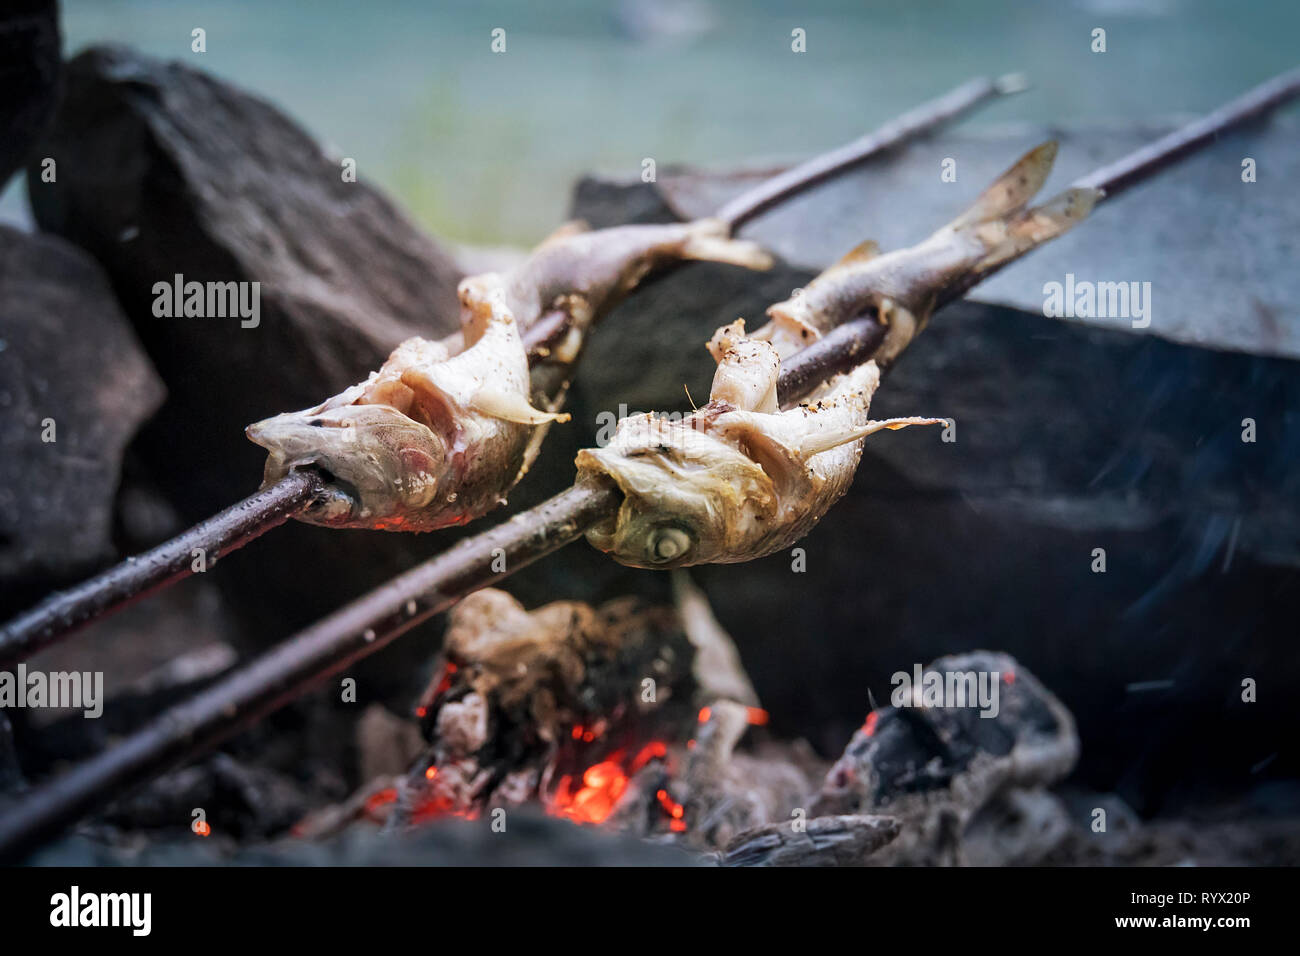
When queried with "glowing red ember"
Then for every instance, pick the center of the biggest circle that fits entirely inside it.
(602, 785)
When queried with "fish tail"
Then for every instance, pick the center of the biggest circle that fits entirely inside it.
(1042, 223)
(1011, 191)
(1004, 224)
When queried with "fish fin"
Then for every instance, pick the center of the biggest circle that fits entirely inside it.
(512, 408)
(827, 439)
(1013, 189)
(1035, 226)
(816, 443)
(862, 252)
(782, 464)
(894, 424)
(708, 241)
(538, 436)
(574, 227)
(431, 405)
(346, 397)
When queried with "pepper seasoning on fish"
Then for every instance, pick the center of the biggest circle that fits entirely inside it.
(738, 478)
(442, 431)
(741, 478)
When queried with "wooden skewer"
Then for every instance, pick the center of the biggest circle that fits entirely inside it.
(950, 106)
(137, 577)
(64, 612)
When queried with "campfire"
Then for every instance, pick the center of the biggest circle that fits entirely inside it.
(641, 719)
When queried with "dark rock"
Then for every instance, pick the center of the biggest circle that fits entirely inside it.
(67, 354)
(30, 61)
(163, 171)
(603, 203)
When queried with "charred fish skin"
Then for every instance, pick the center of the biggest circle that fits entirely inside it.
(904, 285)
(739, 478)
(429, 440)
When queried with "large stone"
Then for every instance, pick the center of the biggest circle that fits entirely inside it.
(164, 170)
(72, 371)
(29, 75)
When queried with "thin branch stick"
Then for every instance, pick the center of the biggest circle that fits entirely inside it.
(925, 118)
(1143, 163)
(356, 631)
(61, 614)
(378, 618)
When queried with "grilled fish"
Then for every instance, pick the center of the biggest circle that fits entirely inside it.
(741, 478)
(442, 431)
(738, 478)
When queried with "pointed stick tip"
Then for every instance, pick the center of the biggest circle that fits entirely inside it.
(1011, 83)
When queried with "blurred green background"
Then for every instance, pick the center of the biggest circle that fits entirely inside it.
(483, 147)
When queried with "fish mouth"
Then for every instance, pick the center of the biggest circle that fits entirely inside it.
(601, 535)
(380, 468)
(338, 500)
(336, 503)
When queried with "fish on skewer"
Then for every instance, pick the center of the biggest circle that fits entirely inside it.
(441, 432)
(738, 478)
(741, 478)
(903, 287)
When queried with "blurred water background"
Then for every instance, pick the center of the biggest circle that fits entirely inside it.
(484, 147)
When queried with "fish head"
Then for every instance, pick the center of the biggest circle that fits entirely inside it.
(380, 466)
(688, 496)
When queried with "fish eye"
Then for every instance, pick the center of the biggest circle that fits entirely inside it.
(668, 544)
